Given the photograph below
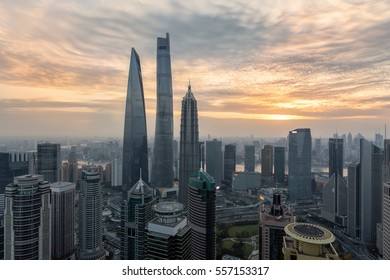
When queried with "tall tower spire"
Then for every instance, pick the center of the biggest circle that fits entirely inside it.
(162, 164)
(189, 143)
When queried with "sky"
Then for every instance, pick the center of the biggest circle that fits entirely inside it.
(258, 68)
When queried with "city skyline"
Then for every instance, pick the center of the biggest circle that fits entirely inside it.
(273, 67)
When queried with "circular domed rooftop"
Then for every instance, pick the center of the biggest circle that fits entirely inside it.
(168, 208)
(309, 233)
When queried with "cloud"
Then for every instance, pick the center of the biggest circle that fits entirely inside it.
(316, 60)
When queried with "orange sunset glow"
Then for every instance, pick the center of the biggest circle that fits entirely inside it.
(256, 68)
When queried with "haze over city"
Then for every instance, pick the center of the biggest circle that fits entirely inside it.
(255, 69)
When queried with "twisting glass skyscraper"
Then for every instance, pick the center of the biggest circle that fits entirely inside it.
(189, 143)
(135, 146)
(162, 165)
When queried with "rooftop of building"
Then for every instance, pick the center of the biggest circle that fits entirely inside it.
(309, 233)
(202, 180)
(168, 208)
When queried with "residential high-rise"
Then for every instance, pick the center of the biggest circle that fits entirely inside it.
(162, 163)
(250, 158)
(201, 216)
(386, 221)
(267, 156)
(49, 162)
(62, 220)
(271, 228)
(279, 164)
(90, 245)
(135, 215)
(299, 164)
(334, 193)
(229, 164)
(27, 219)
(214, 160)
(189, 143)
(168, 235)
(135, 145)
(305, 241)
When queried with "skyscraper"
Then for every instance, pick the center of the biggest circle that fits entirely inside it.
(73, 165)
(386, 221)
(136, 213)
(279, 164)
(62, 220)
(201, 216)
(90, 216)
(162, 163)
(334, 193)
(365, 191)
(214, 160)
(135, 145)
(189, 143)
(168, 235)
(336, 156)
(27, 219)
(229, 164)
(49, 162)
(299, 164)
(271, 228)
(250, 158)
(267, 157)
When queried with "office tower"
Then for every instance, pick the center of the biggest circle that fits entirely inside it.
(279, 164)
(229, 164)
(386, 161)
(65, 172)
(27, 219)
(336, 156)
(168, 235)
(354, 200)
(176, 160)
(305, 241)
(271, 228)
(90, 216)
(162, 163)
(189, 143)
(317, 145)
(250, 158)
(334, 193)
(11, 165)
(386, 221)
(1, 238)
(116, 173)
(134, 219)
(299, 164)
(49, 162)
(135, 145)
(73, 165)
(267, 156)
(62, 220)
(201, 216)
(243, 181)
(365, 191)
(378, 140)
(214, 160)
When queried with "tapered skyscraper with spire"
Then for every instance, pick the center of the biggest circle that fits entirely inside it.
(189, 143)
(135, 146)
(162, 163)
